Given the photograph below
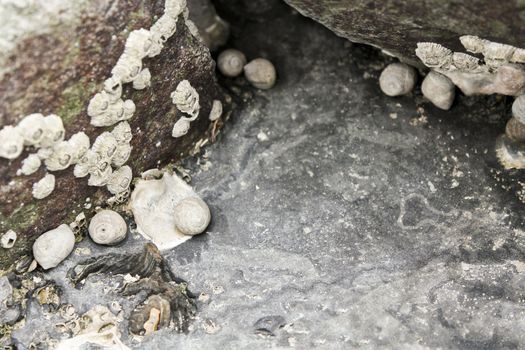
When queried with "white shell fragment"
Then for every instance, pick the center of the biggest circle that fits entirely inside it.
(518, 109)
(216, 110)
(260, 73)
(8, 239)
(231, 62)
(44, 187)
(180, 128)
(107, 227)
(120, 180)
(30, 165)
(439, 90)
(154, 203)
(397, 79)
(143, 80)
(52, 247)
(186, 98)
(12, 143)
(192, 216)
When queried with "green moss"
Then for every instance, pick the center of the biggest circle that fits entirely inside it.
(75, 99)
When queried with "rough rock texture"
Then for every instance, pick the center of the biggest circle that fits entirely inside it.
(398, 25)
(342, 218)
(60, 70)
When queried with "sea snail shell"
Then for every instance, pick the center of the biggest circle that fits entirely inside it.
(260, 73)
(518, 109)
(107, 227)
(439, 90)
(192, 216)
(231, 62)
(515, 130)
(397, 79)
(54, 246)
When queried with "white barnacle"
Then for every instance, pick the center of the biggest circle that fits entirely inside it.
(122, 132)
(216, 110)
(107, 227)
(174, 8)
(86, 164)
(496, 54)
(44, 153)
(192, 216)
(465, 62)
(138, 43)
(143, 80)
(163, 29)
(121, 155)
(127, 68)
(518, 56)
(99, 104)
(105, 145)
(113, 89)
(128, 109)
(120, 180)
(61, 158)
(8, 239)
(434, 55)
(52, 247)
(180, 128)
(11, 142)
(473, 43)
(186, 98)
(79, 144)
(44, 186)
(30, 165)
(101, 174)
(54, 131)
(32, 128)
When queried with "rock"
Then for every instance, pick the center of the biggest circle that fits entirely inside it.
(397, 26)
(5, 289)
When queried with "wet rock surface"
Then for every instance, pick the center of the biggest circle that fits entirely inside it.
(342, 218)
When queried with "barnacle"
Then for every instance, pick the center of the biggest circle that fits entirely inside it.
(143, 80)
(8, 239)
(32, 128)
(11, 142)
(105, 145)
(518, 56)
(107, 227)
(61, 158)
(434, 55)
(122, 132)
(138, 43)
(473, 43)
(101, 174)
(120, 180)
(496, 53)
(30, 165)
(174, 8)
(44, 186)
(186, 98)
(113, 89)
(79, 144)
(99, 104)
(164, 28)
(86, 164)
(465, 62)
(127, 68)
(121, 155)
(54, 131)
(180, 128)
(52, 247)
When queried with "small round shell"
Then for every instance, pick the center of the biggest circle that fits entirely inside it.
(128, 110)
(8, 239)
(180, 128)
(122, 132)
(515, 130)
(11, 142)
(231, 62)
(397, 79)
(61, 158)
(107, 227)
(32, 129)
(216, 110)
(143, 80)
(518, 109)
(52, 247)
(439, 90)
(260, 73)
(192, 216)
(44, 187)
(30, 165)
(120, 180)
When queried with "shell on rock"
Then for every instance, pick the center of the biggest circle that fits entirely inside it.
(32, 128)
(439, 90)
(11, 142)
(105, 145)
(138, 43)
(515, 130)
(473, 43)
(122, 132)
(143, 80)
(180, 128)
(397, 79)
(127, 67)
(216, 110)
(101, 173)
(113, 89)
(434, 55)
(192, 216)
(231, 62)
(79, 144)
(99, 103)
(107, 227)
(174, 8)
(8, 239)
(86, 164)
(518, 109)
(61, 158)
(465, 62)
(52, 247)
(121, 155)
(44, 187)
(30, 165)
(54, 131)
(186, 98)
(260, 73)
(120, 180)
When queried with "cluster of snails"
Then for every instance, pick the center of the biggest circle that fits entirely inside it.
(259, 72)
(186, 98)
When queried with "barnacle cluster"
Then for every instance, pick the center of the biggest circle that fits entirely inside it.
(186, 98)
